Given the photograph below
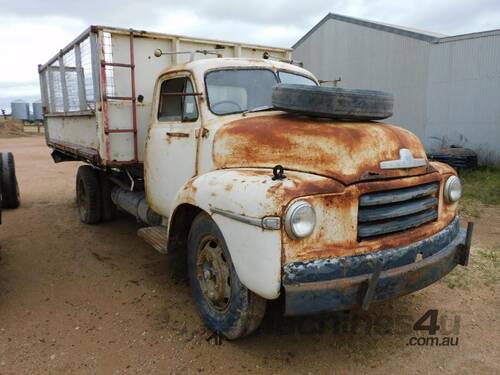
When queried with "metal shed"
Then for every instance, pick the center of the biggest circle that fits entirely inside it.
(446, 87)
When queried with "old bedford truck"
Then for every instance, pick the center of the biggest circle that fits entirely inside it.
(241, 167)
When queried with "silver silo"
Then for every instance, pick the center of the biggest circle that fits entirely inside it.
(37, 111)
(20, 110)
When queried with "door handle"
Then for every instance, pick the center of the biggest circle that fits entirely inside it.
(178, 135)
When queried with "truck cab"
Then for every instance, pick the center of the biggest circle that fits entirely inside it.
(261, 203)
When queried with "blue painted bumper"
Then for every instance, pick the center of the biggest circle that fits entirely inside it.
(348, 282)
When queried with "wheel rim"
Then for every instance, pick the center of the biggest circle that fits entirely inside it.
(81, 199)
(213, 274)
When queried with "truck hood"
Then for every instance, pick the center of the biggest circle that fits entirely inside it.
(346, 151)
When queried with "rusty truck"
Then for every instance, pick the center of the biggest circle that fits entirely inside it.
(259, 181)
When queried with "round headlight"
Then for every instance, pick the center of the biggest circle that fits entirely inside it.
(452, 189)
(300, 220)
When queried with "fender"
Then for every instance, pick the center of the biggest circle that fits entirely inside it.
(238, 200)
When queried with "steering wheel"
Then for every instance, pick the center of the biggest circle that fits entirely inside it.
(227, 102)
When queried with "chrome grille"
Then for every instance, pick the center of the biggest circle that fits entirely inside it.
(397, 210)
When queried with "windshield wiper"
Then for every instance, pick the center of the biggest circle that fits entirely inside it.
(258, 109)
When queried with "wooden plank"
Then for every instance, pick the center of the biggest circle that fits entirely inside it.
(157, 237)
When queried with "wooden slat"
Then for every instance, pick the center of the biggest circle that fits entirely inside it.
(157, 237)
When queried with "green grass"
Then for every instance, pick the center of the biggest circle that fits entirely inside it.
(482, 185)
(483, 269)
(488, 261)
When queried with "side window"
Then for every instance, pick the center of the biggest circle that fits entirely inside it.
(296, 79)
(174, 104)
(190, 110)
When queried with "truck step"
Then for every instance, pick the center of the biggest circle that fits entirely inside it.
(155, 236)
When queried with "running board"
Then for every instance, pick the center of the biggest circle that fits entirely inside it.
(155, 236)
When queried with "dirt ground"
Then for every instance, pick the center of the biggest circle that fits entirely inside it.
(96, 299)
(10, 128)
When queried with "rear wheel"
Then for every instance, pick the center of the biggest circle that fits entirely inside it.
(108, 207)
(88, 195)
(10, 187)
(225, 304)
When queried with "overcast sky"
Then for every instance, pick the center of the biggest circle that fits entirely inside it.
(32, 31)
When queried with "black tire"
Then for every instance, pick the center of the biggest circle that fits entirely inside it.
(457, 157)
(108, 207)
(88, 195)
(333, 102)
(1, 174)
(240, 312)
(10, 187)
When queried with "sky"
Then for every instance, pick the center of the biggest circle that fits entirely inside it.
(32, 31)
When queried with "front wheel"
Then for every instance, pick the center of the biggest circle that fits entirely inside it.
(225, 304)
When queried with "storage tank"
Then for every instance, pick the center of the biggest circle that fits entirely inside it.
(20, 110)
(37, 111)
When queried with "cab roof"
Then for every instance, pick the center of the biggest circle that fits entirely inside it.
(199, 67)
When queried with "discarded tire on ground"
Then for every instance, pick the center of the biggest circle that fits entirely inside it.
(333, 102)
(457, 157)
(10, 187)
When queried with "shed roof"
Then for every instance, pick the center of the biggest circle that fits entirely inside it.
(427, 36)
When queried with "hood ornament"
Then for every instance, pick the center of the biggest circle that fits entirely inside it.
(406, 160)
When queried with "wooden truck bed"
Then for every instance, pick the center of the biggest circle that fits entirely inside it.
(90, 89)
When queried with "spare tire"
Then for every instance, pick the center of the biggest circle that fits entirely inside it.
(10, 188)
(333, 102)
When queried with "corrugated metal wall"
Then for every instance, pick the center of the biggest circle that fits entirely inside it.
(463, 95)
(445, 92)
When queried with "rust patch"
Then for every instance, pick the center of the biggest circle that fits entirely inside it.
(190, 187)
(297, 185)
(342, 150)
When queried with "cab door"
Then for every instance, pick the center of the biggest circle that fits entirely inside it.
(172, 145)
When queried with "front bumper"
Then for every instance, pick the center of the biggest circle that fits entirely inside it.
(355, 281)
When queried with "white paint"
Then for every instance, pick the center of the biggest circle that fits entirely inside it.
(256, 255)
(76, 130)
(170, 159)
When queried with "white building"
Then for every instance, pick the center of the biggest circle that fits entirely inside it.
(446, 88)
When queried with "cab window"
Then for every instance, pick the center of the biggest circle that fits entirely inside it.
(295, 79)
(174, 104)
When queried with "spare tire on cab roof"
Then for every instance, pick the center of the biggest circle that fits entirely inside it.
(333, 102)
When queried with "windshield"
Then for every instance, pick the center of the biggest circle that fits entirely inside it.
(239, 90)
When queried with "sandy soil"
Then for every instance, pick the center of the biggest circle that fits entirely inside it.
(96, 299)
